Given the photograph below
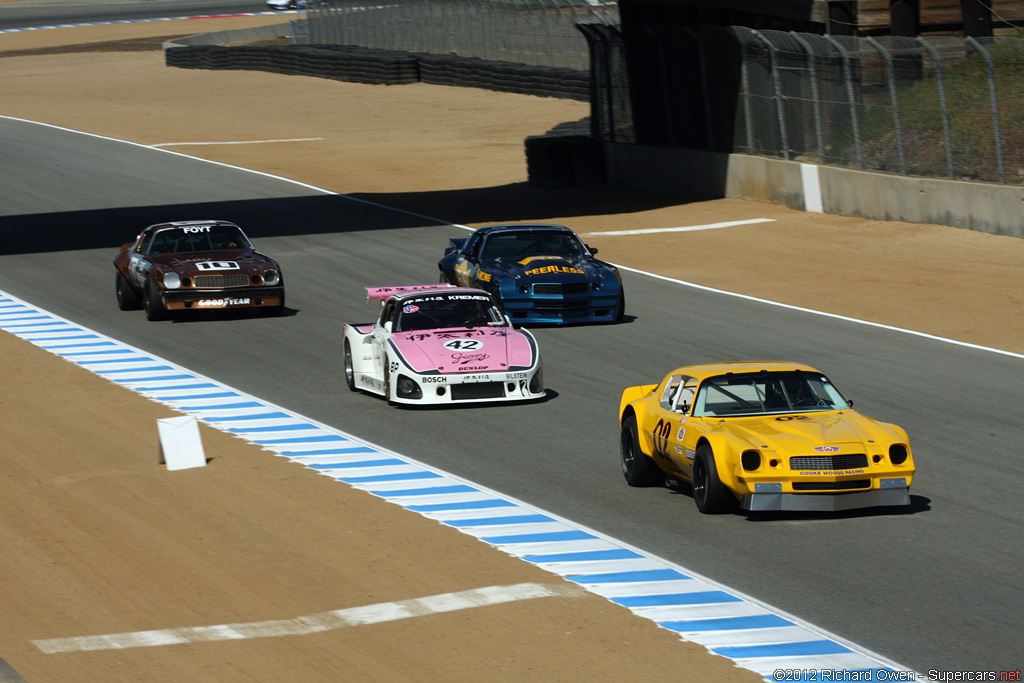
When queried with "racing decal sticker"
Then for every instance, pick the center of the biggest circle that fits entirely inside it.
(223, 303)
(464, 345)
(680, 434)
(460, 358)
(218, 265)
(553, 269)
(827, 449)
(410, 309)
(198, 228)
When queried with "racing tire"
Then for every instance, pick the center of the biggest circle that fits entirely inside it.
(710, 495)
(152, 304)
(127, 298)
(443, 279)
(637, 467)
(620, 308)
(350, 373)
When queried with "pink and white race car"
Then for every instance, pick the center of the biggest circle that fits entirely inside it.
(440, 344)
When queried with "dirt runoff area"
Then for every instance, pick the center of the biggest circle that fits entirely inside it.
(99, 539)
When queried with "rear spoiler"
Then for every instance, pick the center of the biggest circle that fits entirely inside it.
(382, 293)
(454, 244)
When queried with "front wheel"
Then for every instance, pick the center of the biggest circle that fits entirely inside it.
(637, 467)
(127, 298)
(152, 304)
(620, 308)
(709, 493)
(387, 383)
(350, 373)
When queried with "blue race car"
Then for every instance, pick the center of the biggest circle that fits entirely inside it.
(541, 273)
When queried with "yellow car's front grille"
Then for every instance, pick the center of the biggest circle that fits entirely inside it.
(221, 281)
(846, 461)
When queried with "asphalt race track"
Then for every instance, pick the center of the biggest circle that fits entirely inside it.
(934, 587)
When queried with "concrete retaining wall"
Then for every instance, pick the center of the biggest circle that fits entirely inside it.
(997, 209)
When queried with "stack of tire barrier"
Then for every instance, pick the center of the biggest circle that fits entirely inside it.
(341, 63)
(388, 67)
(565, 156)
(543, 81)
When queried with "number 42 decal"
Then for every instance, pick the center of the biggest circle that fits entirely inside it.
(463, 344)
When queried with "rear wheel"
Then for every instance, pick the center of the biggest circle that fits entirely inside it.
(709, 493)
(152, 303)
(637, 467)
(127, 298)
(350, 374)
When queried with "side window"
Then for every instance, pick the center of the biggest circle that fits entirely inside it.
(671, 389)
(147, 237)
(684, 398)
(387, 311)
(471, 246)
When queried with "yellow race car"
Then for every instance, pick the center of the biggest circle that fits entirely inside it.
(761, 436)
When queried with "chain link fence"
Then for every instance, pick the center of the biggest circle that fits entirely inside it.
(531, 32)
(942, 107)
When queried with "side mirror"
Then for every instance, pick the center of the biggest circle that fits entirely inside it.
(592, 250)
(387, 326)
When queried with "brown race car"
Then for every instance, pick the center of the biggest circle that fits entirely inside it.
(196, 265)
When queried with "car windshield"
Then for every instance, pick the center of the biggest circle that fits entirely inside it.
(519, 245)
(438, 311)
(766, 393)
(198, 238)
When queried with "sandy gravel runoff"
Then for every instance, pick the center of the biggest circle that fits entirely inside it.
(98, 538)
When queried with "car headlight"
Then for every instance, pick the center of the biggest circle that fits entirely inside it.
(172, 280)
(271, 277)
(751, 460)
(898, 454)
(407, 388)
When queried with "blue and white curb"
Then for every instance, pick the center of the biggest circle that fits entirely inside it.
(754, 635)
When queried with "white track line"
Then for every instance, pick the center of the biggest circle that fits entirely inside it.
(313, 623)
(691, 228)
(239, 142)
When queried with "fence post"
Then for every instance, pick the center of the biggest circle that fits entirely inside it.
(895, 102)
(748, 124)
(997, 134)
(814, 93)
(942, 96)
(777, 87)
(709, 128)
(848, 77)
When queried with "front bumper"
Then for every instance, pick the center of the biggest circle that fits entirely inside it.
(559, 310)
(825, 502)
(203, 299)
(454, 388)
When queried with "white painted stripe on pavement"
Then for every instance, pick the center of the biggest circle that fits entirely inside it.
(237, 142)
(691, 228)
(314, 623)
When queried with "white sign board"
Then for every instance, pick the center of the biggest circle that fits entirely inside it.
(180, 445)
